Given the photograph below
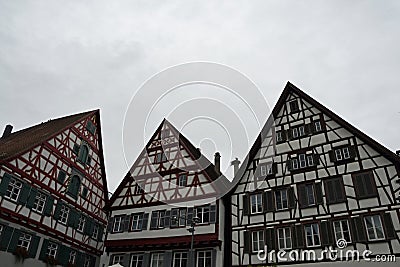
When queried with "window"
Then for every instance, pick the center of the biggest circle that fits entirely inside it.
(72, 257)
(182, 180)
(294, 106)
(346, 153)
(95, 231)
(81, 223)
(117, 224)
(295, 164)
(13, 189)
(182, 217)
(161, 219)
(284, 238)
(317, 126)
(157, 219)
(83, 154)
(256, 203)
(343, 153)
(64, 212)
(87, 261)
(312, 235)
(1, 229)
(136, 260)
(257, 240)
(74, 186)
(334, 190)
(40, 201)
(265, 169)
(342, 230)
(24, 241)
(204, 258)
(364, 185)
(309, 190)
(160, 157)
(203, 213)
(52, 250)
(138, 190)
(302, 160)
(118, 259)
(279, 137)
(137, 222)
(180, 259)
(157, 260)
(295, 133)
(90, 127)
(302, 132)
(281, 199)
(373, 224)
(338, 154)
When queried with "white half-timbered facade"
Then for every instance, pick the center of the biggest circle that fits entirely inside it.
(310, 180)
(52, 193)
(169, 184)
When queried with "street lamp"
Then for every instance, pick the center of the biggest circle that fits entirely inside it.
(191, 230)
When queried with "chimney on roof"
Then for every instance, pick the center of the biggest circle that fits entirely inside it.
(235, 163)
(7, 130)
(217, 163)
(398, 153)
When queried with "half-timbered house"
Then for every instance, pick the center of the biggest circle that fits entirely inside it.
(170, 186)
(53, 192)
(313, 181)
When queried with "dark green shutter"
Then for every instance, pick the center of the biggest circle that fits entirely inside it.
(14, 240)
(301, 193)
(5, 237)
(48, 208)
(43, 251)
(110, 224)
(31, 199)
(326, 234)
(247, 242)
(58, 209)
(269, 199)
(61, 176)
(145, 221)
(390, 232)
(318, 193)
(299, 236)
(291, 198)
(73, 217)
(270, 239)
(100, 233)
(24, 194)
(332, 157)
(359, 228)
(63, 254)
(353, 151)
(246, 204)
(76, 149)
(89, 225)
(213, 214)
(33, 246)
(4, 183)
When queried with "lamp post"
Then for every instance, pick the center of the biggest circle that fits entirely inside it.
(191, 230)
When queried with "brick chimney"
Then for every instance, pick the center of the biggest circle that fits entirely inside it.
(235, 163)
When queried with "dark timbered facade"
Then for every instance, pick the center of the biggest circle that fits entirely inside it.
(310, 180)
(169, 184)
(52, 193)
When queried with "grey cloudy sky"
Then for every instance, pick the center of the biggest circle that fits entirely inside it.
(64, 57)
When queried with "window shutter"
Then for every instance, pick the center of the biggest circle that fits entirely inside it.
(359, 186)
(301, 193)
(339, 189)
(291, 198)
(43, 251)
(126, 223)
(4, 183)
(274, 168)
(289, 165)
(353, 151)
(63, 254)
(359, 229)
(58, 209)
(246, 204)
(299, 237)
(269, 199)
(76, 149)
(31, 198)
(33, 246)
(307, 129)
(326, 234)
(72, 217)
(14, 240)
(5, 237)
(390, 232)
(370, 184)
(332, 157)
(290, 133)
(24, 194)
(318, 193)
(284, 136)
(190, 212)
(145, 221)
(48, 208)
(100, 233)
(61, 176)
(316, 159)
(213, 213)
(247, 242)
(110, 224)
(167, 218)
(270, 239)
(329, 191)
(153, 222)
(89, 225)
(80, 259)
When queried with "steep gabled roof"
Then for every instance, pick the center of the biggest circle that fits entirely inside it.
(290, 88)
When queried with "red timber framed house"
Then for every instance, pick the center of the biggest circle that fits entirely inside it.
(53, 192)
(309, 180)
(169, 185)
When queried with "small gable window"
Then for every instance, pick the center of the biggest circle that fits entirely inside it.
(294, 106)
(90, 127)
(182, 180)
(160, 157)
(74, 185)
(83, 154)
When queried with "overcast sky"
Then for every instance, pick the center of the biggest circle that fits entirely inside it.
(64, 57)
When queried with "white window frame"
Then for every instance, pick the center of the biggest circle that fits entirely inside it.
(346, 153)
(338, 228)
(40, 202)
(64, 214)
(72, 257)
(257, 240)
(256, 200)
(13, 189)
(52, 250)
(295, 163)
(302, 160)
(117, 226)
(95, 231)
(137, 222)
(314, 233)
(309, 190)
(279, 136)
(204, 255)
(136, 260)
(24, 241)
(180, 259)
(182, 180)
(282, 199)
(295, 133)
(182, 217)
(317, 126)
(338, 154)
(118, 258)
(376, 223)
(203, 213)
(310, 160)
(81, 223)
(157, 259)
(284, 238)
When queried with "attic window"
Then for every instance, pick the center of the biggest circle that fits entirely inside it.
(90, 127)
(294, 106)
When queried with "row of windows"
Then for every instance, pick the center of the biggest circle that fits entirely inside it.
(203, 258)
(299, 131)
(359, 229)
(309, 194)
(13, 240)
(160, 219)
